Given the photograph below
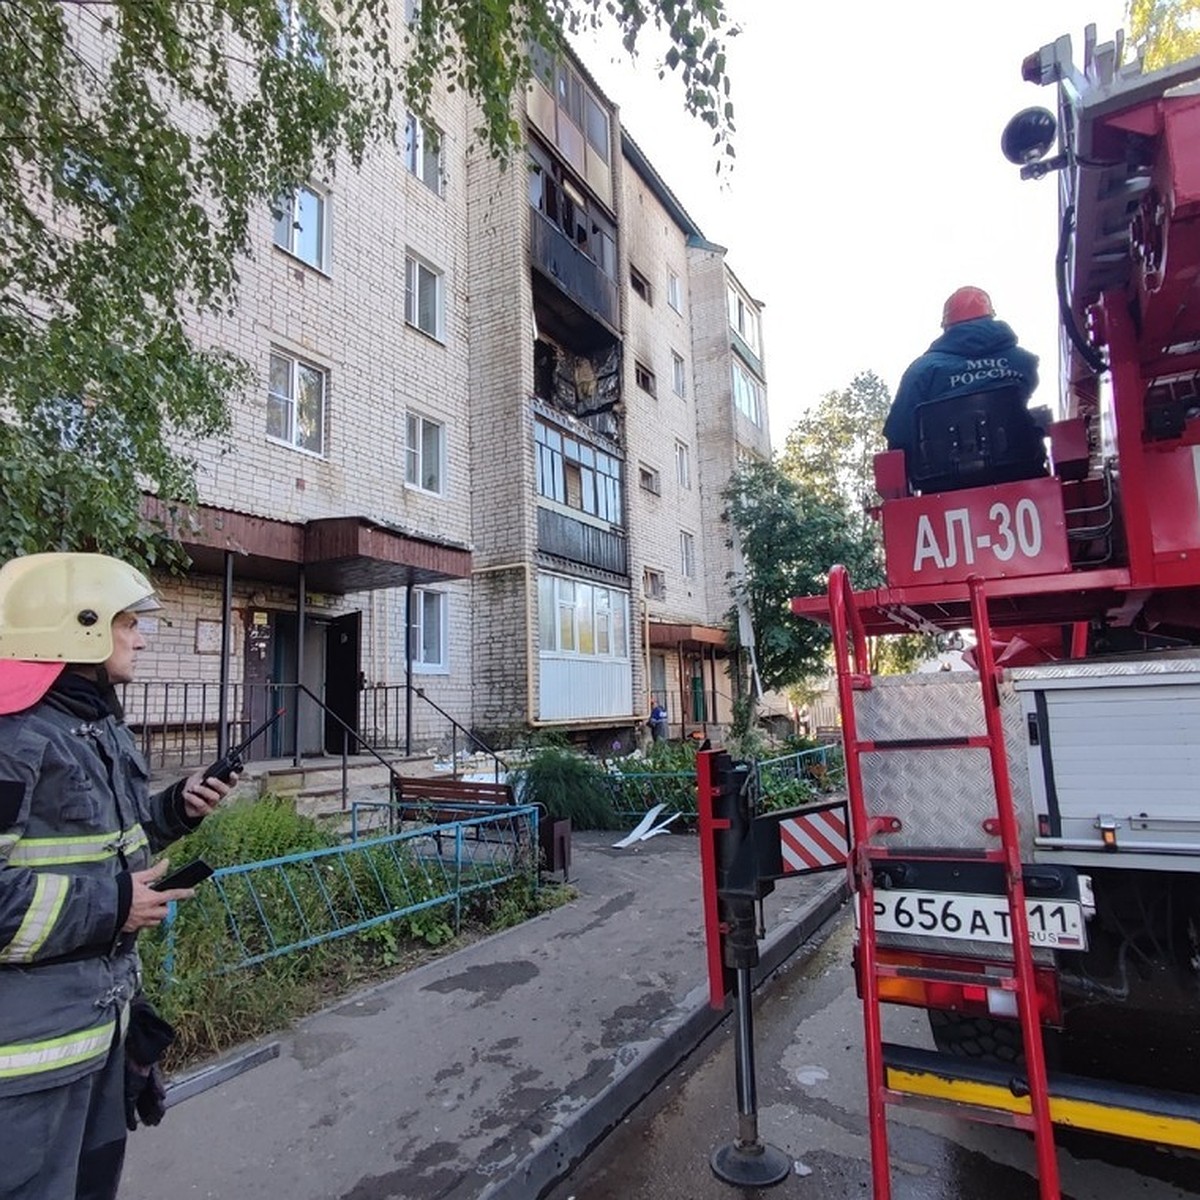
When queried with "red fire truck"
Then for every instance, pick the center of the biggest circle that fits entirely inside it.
(1026, 845)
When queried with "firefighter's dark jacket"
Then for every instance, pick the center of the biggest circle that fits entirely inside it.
(972, 356)
(76, 819)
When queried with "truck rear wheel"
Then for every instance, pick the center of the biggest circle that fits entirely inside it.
(977, 1037)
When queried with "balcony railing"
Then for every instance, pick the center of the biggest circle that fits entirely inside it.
(579, 542)
(556, 256)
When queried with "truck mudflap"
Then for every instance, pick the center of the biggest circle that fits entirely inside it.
(999, 1093)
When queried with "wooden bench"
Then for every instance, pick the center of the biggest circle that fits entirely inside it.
(419, 799)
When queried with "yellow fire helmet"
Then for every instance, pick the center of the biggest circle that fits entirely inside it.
(57, 609)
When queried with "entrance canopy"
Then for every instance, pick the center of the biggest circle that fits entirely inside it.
(337, 554)
(686, 637)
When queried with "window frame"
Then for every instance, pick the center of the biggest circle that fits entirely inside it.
(753, 392)
(675, 292)
(644, 378)
(744, 319)
(292, 221)
(416, 632)
(565, 463)
(416, 454)
(683, 465)
(649, 479)
(416, 152)
(654, 583)
(640, 285)
(687, 554)
(414, 264)
(679, 374)
(592, 617)
(295, 364)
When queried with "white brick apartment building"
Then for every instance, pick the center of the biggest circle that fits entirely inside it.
(492, 416)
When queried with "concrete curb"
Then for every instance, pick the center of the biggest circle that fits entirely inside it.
(560, 1148)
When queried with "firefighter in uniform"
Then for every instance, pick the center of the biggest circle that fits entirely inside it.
(976, 353)
(77, 830)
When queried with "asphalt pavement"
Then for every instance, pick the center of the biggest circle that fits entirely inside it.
(488, 1073)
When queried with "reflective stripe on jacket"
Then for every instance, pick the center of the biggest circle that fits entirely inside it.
(75, 812)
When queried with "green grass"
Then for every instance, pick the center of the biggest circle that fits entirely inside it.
(215, 1005)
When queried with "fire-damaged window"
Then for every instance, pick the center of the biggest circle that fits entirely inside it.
(587, 386)
(562, 200)
(576, 474)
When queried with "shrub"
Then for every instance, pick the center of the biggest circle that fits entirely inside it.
(567, 785)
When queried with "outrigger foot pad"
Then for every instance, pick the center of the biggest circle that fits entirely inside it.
(754, 1165)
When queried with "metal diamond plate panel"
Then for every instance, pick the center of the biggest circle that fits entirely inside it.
(1181, 662)
(941, 797)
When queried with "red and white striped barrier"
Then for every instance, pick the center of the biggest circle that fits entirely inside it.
(814, 841)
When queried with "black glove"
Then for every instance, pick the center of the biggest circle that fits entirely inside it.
(148, 1036)
(145, 1096)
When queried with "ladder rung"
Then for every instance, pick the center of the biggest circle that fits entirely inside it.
(983, 1113)
(936, 975)
(980, 741)
(961, 854)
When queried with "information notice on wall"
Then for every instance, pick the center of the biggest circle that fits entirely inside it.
(208, 637)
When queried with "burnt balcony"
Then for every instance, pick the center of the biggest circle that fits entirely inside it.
(579, 542)
(559, 260)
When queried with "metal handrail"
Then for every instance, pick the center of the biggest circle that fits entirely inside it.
(394, 776)
(499, 765)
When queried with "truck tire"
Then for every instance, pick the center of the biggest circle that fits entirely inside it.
(977, 1037)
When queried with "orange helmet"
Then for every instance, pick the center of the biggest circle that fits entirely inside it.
(966, 304)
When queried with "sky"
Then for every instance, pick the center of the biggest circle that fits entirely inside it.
(868, 182)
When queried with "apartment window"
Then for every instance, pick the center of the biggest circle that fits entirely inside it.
(747, 393)
(645, 378)
(423, 297)
(675, 291)
(297, 39)
(683, 465)
(296, 403)
(678, 374)
(423, 153)
(687, 554)
(743, 319)
(424, 454)
(570, 94)
(577, 474)
(301, 226)
(560, 201)
(649, 479)
(597, 126)
(582, 619)
(541, 61)
(640, 284)
(427, 630)
(654, 584)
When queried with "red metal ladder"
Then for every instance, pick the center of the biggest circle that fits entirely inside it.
(854, 675)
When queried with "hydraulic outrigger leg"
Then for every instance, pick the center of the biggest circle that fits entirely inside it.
(747, 1161)
(732, 890)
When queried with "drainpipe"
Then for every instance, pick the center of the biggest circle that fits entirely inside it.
(713, 717)
(683, 690)
(647, 689)
(301, 598)
(408, 664)
(223, 686)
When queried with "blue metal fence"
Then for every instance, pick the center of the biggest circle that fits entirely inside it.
(794, 777)
(279, 905)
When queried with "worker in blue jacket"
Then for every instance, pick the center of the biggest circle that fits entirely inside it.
(78, 825)
(976, 353)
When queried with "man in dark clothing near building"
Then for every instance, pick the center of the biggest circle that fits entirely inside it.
(77, 830)
(976, 354)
